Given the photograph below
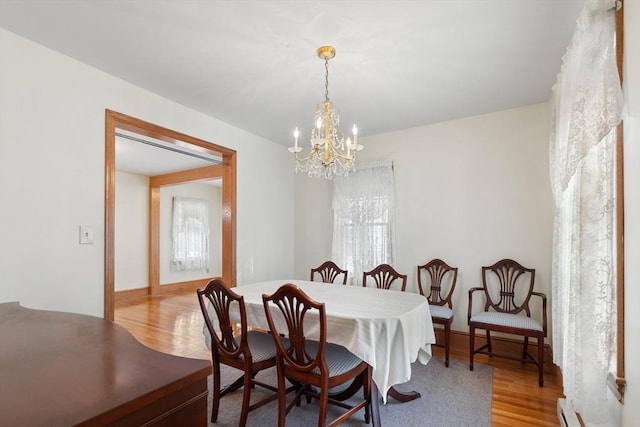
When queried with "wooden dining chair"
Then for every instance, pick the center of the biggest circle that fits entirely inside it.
(328, 272)
(309, 364)
(439, 283)
(250, 352)
(384, 276)
(507, 287)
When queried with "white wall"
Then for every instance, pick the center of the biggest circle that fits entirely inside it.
(469, 191)
(197, 191)
(631, 86)
(52, 111)
(314, 223)
(131, 256)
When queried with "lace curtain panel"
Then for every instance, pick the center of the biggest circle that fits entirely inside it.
(363, 220)
(190, 234)
(586, 105)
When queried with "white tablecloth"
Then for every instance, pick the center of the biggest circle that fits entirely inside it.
(387, 329)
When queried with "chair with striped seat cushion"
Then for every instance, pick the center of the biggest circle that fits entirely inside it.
(310, 364)
(507, 287)
(439, 280)
(385, 277)
(329, 272)
(250, 352)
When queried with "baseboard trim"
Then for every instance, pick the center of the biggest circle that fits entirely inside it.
(191, 285)
(130, 293)
(566, 415)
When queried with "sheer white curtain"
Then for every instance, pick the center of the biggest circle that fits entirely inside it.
(586, 107)
(190, 234)
(363, 220)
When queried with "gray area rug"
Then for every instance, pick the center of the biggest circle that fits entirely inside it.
(451, 397)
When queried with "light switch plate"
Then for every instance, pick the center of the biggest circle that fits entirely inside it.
(86, 235)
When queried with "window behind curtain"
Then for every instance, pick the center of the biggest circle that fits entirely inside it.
(190, 234)
(586, 106)
(363, 226)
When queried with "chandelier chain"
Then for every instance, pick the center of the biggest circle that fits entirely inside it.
(326, 80)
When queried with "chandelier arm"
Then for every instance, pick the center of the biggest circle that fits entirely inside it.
(312, 153)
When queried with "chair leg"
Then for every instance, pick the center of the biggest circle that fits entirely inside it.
(366, 387)
(525, 350)
(309, 395)
(246, 398)
(541, 360)
(375, 404)
(472, 336)
(215, 406)
(282, 395)
(489, 350)
(324, 402)
(447, 338)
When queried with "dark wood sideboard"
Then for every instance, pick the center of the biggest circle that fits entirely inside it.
(65, 369)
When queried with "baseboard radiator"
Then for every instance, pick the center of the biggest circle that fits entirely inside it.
(566, 415)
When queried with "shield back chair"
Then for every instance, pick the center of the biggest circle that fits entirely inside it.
(313, 367)
(507, 287)
(329, 272)
(439, 283)
(250, 352)
(384, 277)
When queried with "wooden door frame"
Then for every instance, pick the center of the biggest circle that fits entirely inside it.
(227, 171)
(156, 182)
(617, 381)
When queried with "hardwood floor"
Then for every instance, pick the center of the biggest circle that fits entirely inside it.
(173, 324)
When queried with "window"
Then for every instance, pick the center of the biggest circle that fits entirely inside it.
(363, 205)
(190, 234)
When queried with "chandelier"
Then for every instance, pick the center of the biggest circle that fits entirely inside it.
(330, 154)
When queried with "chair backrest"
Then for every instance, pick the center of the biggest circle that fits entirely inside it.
(328, 272)
(506, 286)
(300, 313)
(439, 290)
(384, 275)
(222, 300)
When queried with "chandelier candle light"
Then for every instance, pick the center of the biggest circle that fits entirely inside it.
(330, 155)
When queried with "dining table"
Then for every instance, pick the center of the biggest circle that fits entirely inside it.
(386, 328)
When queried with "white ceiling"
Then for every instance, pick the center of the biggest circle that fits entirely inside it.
(253, 64)
(147, 156)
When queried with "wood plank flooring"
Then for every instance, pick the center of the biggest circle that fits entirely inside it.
(173, 324)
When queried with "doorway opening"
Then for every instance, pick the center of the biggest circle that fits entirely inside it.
(225, 171)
